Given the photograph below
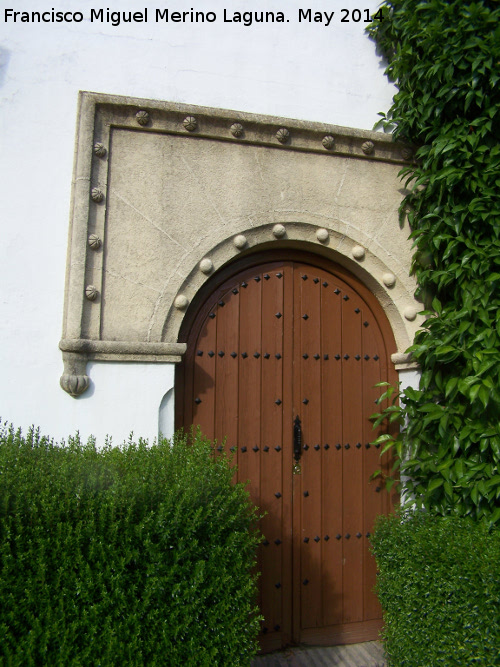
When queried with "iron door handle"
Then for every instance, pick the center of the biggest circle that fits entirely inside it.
(297, 438)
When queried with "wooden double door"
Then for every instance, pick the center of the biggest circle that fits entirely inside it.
(276, 341)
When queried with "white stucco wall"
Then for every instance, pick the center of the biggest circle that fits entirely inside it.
(297, 70)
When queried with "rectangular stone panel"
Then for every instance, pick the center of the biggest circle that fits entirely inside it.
(158, 187)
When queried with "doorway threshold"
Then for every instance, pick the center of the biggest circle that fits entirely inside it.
(367, 654)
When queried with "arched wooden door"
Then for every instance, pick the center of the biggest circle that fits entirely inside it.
(275, 341)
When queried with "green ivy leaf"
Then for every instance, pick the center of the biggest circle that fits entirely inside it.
(444, 59)
(435, 484)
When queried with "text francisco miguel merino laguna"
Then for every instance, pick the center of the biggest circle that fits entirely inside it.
(115, 18)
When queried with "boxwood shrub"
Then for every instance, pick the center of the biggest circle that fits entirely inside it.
(439, 586)
(131, 556)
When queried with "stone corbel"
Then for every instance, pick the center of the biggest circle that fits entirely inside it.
(403, 361)
(74, 380)
(77, 352)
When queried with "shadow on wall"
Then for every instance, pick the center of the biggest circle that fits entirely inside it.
(4, 63)
(166, 415)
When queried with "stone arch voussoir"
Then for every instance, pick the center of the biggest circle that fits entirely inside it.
(386, 276)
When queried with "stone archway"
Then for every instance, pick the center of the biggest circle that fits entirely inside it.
(166, 194)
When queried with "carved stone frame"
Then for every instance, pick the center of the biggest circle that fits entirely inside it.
(105, 122)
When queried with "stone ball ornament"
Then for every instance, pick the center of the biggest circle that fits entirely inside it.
(206, 265)
(237, 130)
(407, 153)
(410, 313)
(368, 147)
(389, 279)
(279, 231)
(181, 302)
(240, 241)
(97, 195)
(322, 235)
(99, 149)
(328, 142)
(358, 252)
(142, 117)
(94, 242)
(190, 123)
(283, 135)
(91, 292)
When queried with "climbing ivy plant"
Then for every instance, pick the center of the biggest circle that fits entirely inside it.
(444, 57)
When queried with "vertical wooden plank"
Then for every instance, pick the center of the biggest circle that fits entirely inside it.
(374, 371)
(331, 420)
(308, 286)
(227, 360)
(289, 591)
(249, 399)
(273, 495)
(202, 393)
(296, 478)
(249, 390)
(352, 457)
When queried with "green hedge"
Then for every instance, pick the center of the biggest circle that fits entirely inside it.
(131, 556)
(439, 586)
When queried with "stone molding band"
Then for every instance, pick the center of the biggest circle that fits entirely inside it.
(98, 349)
(246, 128)
(403, 361)
(78, 352)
